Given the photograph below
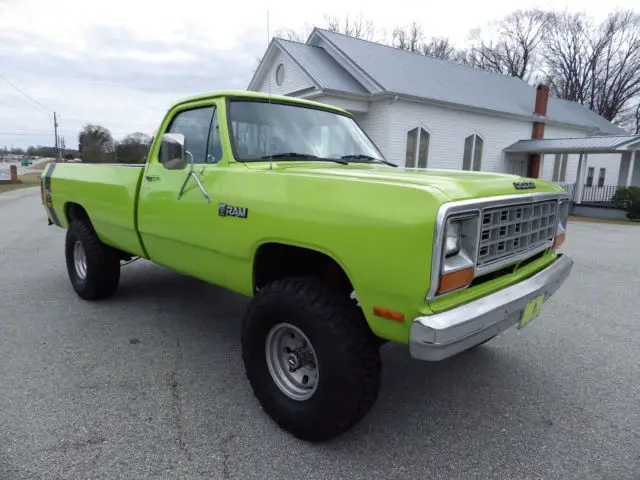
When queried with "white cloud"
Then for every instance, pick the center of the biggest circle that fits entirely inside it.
(121, 63)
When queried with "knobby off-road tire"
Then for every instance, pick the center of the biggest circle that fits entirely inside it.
(346, 354)
(93, 267)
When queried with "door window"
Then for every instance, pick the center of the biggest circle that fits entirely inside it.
(214, 152)
(195, 126)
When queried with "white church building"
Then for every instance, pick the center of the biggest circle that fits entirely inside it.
(425, 112)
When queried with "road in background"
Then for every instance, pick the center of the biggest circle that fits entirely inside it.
(150, 384)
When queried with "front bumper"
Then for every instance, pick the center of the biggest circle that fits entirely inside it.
(442, 335)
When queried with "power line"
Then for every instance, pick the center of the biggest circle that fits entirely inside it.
(48, 110)
(26, 134)
(25, 94)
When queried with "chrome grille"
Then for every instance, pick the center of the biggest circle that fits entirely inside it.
(512, 230)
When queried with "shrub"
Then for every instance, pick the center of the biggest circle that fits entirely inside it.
(628, 198)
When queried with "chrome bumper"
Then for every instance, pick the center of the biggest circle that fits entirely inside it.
(442, 335)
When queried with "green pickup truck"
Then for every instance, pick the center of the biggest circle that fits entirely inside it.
(290, 203)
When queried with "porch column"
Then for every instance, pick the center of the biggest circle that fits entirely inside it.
(634, 170)
(582, 169)
(625, 169)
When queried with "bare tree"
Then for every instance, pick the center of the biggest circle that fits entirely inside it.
(356, 27)
(301, 35)
(515, 49)
(410, 38)
(629, 117)
(597, 66)
(440, 47)
(617, 73)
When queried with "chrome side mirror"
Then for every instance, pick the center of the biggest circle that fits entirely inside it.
(173, 153)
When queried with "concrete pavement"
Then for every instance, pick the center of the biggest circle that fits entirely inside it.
(150, 384)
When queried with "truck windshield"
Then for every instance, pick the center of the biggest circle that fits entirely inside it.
(260, 129)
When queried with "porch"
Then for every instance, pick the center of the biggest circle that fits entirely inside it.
(587, 189)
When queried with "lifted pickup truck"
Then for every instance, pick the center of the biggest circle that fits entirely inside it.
(290, 203)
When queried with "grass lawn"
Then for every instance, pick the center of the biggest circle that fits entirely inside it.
(28, 180)
(573, 218)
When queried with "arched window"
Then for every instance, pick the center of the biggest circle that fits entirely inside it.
(472, 157)
(417, 148)
(560, 167)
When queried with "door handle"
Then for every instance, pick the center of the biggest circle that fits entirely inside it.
(151, 178)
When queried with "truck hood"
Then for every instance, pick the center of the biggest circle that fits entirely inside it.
(455, 184)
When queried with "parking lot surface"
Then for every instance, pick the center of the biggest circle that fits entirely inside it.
(150, 384)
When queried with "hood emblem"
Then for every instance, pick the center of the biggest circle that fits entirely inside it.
(524, 185)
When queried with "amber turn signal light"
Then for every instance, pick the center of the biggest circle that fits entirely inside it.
(559, 240)
(455, 280)
(388, 314)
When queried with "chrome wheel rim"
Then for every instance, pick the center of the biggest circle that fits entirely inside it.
(80, 260)
(292, 361)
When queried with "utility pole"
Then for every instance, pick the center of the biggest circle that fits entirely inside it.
(62, 147)
(55, 130)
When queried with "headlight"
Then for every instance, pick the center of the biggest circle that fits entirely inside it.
(457, 266)
(452, 240)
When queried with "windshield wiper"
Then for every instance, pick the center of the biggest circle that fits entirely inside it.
(304, 156)
(362, 156)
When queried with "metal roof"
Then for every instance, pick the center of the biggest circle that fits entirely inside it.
(599, 144)
(401, 72)
(320, 66)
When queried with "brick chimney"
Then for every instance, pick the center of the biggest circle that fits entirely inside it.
(540, 109)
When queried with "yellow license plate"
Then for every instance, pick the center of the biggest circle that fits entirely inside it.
(531, 311)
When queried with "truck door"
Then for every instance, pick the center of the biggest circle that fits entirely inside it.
(177, 232)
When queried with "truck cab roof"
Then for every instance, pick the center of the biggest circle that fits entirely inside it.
(257, 95)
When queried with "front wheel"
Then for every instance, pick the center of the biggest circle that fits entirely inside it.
(93, 267)
(310, 357)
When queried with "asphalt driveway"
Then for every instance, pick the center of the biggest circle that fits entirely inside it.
(150, 384)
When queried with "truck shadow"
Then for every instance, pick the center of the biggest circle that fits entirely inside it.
(450, 408)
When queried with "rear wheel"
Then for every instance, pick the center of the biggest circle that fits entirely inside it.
(310, 357)
(93, 267)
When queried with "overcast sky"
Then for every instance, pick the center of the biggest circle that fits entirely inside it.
(121, 63)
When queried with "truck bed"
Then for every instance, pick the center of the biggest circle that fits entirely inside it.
(107, 192)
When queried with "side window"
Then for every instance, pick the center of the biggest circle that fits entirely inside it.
(601, 176)
(214, 152)
(556, 167)
(417, 143)
(472, 156)
(560, 167)
(410, 160)
(590, 177)
(194, 125)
